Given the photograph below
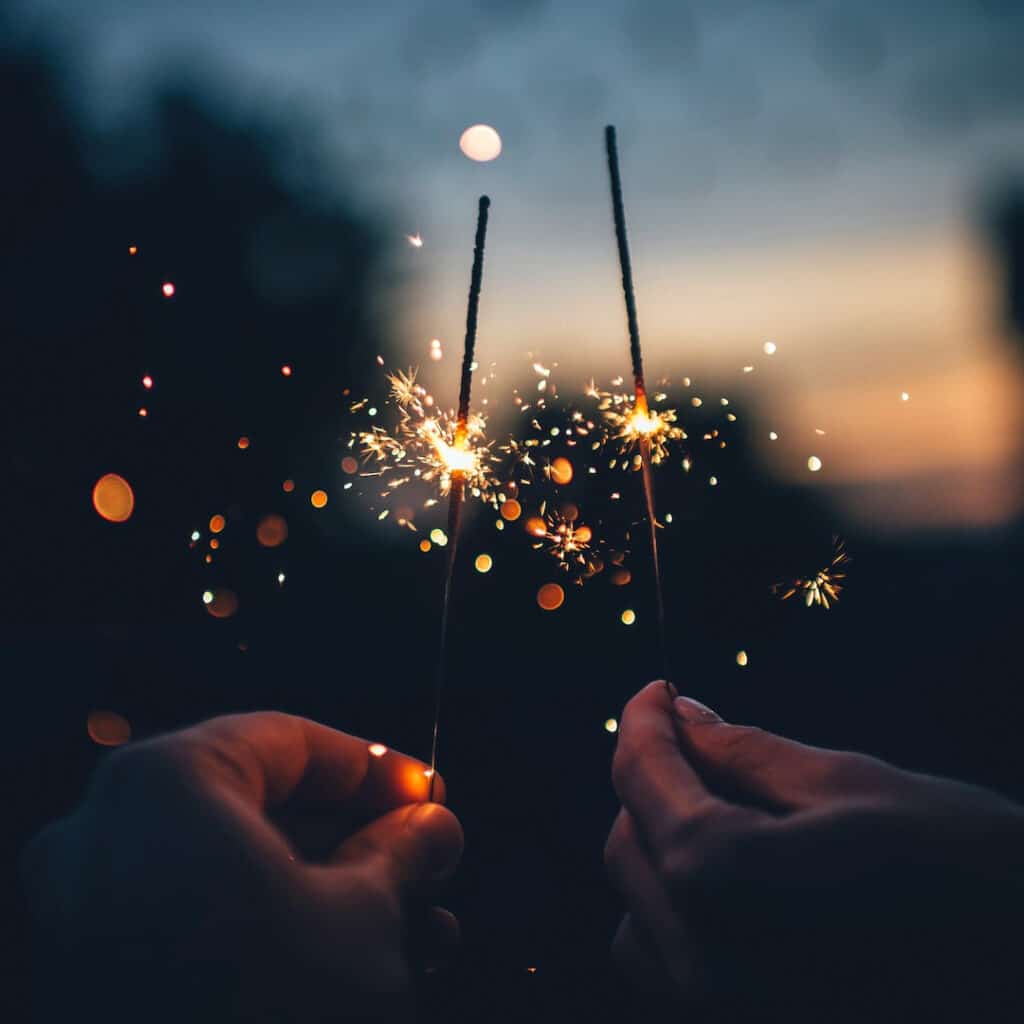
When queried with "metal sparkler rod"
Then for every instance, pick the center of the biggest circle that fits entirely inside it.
(458, 484)
(640, 388)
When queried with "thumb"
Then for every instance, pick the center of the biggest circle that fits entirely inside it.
(777, 772)
(413, 844)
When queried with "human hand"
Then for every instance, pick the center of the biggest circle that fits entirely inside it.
(255, 867)
(768, 880)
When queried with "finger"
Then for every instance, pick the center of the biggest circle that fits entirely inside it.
(414, 844)
(774, 771)
(637, 957)
(650, 774)
(435, 938)
(644, 892)
(270, 758)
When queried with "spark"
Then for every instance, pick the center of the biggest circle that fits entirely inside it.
(566, 542)
(825, 586)
(415, 240)
(377, 749)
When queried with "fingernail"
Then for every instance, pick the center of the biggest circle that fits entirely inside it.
(672, 691)
(694, 713)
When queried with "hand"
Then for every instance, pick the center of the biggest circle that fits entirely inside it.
(768, 880)
(255, 867)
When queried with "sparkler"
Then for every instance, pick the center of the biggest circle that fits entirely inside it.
(459, 460)
(640, 425)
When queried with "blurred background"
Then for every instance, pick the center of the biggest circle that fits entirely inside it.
(826, 209)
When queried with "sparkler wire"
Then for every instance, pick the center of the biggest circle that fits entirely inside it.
(458, 485)
(636, 358)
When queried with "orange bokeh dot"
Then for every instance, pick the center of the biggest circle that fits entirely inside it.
(113, 498)
(168, 289)
(424, 545)
(286, 370)
(108, 728)
(561, 470)
(583, 534)
(511, 510)
(550, 597)
(570, 512)
(272, 531)
(224, 604)
(288, 486)
(132, 250)
(243, 443)
(143, 412)
(214, 543)
(318, 499)
(217, 523)
(536, 526)
(349, 465)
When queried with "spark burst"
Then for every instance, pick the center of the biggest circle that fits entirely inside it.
(567, 543)
(426, 445)
(632, 422)
(825, 586)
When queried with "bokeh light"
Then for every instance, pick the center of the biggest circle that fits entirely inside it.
(223, 603)
(511, 510)
(425, 545)
(272, 531)
(243, 443)
(108, 728)
(483, 563)
(814, 464)
(377, 749)
(742, 659)
(168, 289)
(286, 370)
(550, 596)
(349, 465)
(217, 523)
(438, 536)
(611, 725)
(536, 527)
(628, 617)
(288, 486)
(113, 498)
(147, 382)
(561, 471)
(480, 142)
(318, 499)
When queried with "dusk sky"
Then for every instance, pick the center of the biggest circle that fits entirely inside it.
(803, 172)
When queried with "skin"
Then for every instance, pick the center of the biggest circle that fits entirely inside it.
(259, 867)
(768, 880)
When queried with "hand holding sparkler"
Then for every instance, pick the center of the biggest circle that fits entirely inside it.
(256, 867)
(768, 880)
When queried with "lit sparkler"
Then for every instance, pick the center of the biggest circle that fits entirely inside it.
(825, 586)
(639, 423)
(460, 462)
